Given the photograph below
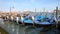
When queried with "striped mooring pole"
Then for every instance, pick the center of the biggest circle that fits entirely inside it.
(22, 20)
(33, 21)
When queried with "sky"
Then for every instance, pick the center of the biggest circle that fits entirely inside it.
(21, 5)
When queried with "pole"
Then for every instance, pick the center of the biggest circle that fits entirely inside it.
(22, 20)
(10, 13)
(12, 18)
(17, 18)
(56, 12)
(33, 21)
(44, 11)
(56, 19)
(35, 10)
(10, 9)
(56, 15)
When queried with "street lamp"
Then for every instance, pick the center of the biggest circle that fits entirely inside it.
(11, 13)
(11, 8)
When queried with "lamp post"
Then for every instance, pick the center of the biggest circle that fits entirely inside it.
(11, 17)
(11, 8)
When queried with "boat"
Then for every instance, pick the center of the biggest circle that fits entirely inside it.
(59, 19)
(38, 20)
(59, 23)
(46, 21)
(17, 20)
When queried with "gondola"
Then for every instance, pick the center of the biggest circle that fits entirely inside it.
(46, 21)
(59, 19)
(30, 21)
(59, 23)
(17, 19)
(37, 20)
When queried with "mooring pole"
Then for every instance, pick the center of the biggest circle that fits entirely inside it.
(22, 20)
(17, 20)
(56, 15)
(12, 18)
(5, 17)
(33, 21)
(43, 12)
(10, 13)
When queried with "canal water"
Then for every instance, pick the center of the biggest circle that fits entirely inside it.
(13, 28)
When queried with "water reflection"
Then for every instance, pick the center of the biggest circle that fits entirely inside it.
(8, 25)
(17, 31)
(13, 29)
(2, 21)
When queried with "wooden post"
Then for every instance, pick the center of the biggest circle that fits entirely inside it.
(12, 18)
(33, 21)
(56, 13)
(35, 10)
(44, 12)
(17, 19)
(22, 20)
(5, 17)
(8, 18)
